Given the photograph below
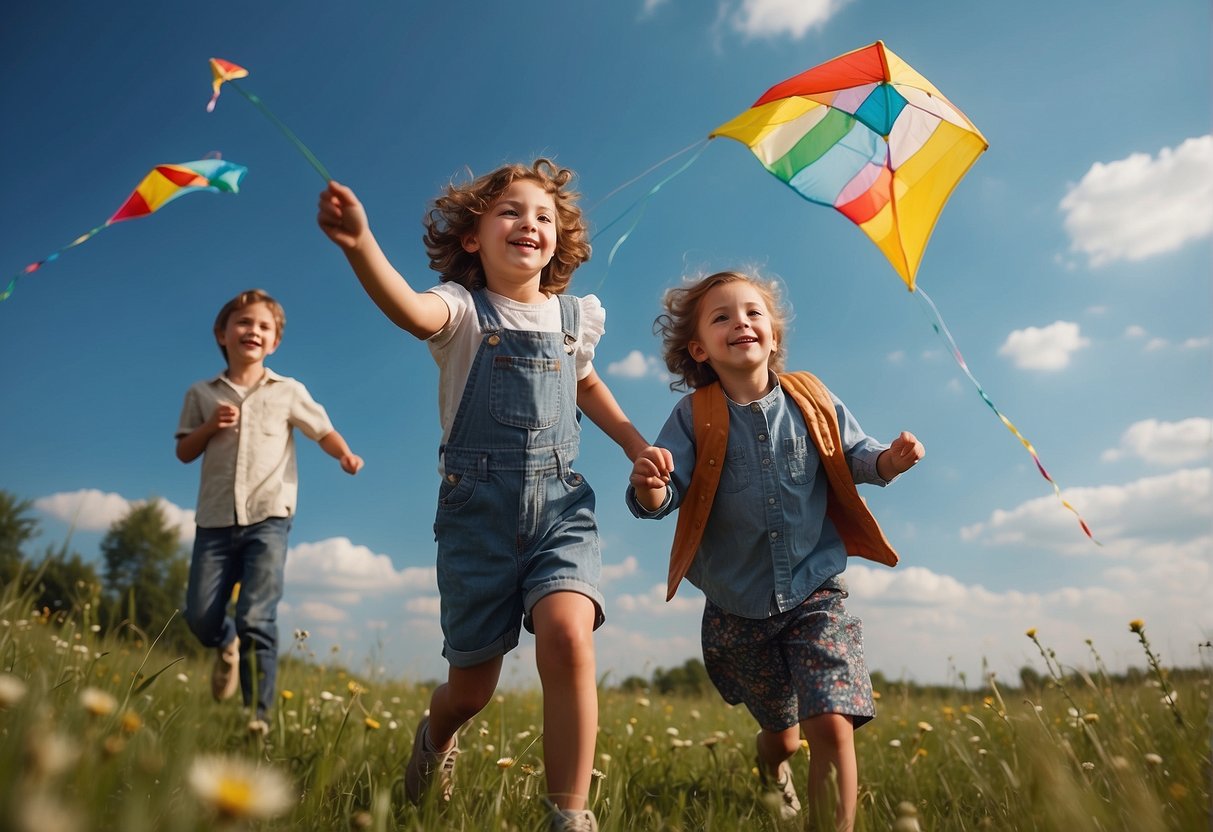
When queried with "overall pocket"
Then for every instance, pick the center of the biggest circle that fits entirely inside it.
(525, 392)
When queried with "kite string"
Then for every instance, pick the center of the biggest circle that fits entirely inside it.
(941, 329)
(286, 131)
(642, 203)
(33, 267)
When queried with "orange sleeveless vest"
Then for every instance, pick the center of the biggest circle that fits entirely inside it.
(860, 532)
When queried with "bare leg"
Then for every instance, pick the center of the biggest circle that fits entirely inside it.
(776, 746)
(466, 692)
(831, 740)
(564, 653)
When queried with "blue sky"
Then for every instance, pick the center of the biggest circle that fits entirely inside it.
(1072, 266)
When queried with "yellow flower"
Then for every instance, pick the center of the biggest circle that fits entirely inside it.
(236, 788)
(1136, 625)
(131, 722)
(355, 688)
(286, 694)
(373, 724)
(1031, 633)
(97, 702)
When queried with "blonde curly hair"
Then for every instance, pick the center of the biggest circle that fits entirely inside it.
(678, 326)
(457, 210)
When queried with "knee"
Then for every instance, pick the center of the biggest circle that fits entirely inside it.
(828, 731)
(565, 644)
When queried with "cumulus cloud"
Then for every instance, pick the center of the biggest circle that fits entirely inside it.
(1165, 443)
(320, 612)
(653, 602)
(1175, 508)
(95, 511)
(777, 18)
(1044, 348)
(1142, 205)
(1135, 331)
(638, 365)
(615, 571)
(338, 563)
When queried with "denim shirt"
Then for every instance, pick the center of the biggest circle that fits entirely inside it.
(768, 543)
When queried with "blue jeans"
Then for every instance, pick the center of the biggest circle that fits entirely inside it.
(255, 557)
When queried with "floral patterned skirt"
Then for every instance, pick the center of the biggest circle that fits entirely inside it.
(802, 663)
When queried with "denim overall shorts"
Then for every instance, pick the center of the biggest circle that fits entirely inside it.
(515, 522)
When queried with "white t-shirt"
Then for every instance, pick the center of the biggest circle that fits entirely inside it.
(454, 346)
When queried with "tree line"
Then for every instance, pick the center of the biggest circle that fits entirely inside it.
(137, 586)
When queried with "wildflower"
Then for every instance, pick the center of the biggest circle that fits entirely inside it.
(605, 758)
(113, 746)
(96, 628)
(925, 727)
(672, 731)
(49, 755)
(300, 635)
(355, 688)
(643, 702)
(1153, 759)
(287, 695)
(1136, 625)
(596, 774)
(894, 743)
(97, 702)
(505, 762)
(12, 690)
(42, 811)
(1171, 698)
(1031, 632)
(327, 696)
(373, 724)
(1088, 766)
(131, 722)
(1090, 718)
(182, 678)
(235, 788)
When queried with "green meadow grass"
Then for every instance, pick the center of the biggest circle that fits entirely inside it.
(105, 733)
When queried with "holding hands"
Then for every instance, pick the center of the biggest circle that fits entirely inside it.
(902, 455)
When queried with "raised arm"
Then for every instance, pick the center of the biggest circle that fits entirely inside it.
(343, 219)
(191, 446)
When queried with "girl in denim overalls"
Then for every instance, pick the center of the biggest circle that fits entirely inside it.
(517, 538)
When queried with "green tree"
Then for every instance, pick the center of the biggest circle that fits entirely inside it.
(691, 679)
(17, 528)
(146, 572)
(66, 583)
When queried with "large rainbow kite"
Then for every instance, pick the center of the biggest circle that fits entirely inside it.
(867, 135)
(162, 185)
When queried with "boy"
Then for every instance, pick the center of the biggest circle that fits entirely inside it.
(240, 423)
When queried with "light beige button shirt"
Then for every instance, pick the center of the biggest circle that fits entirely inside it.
(248, 470)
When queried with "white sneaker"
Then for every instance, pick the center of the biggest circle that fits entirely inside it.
(571, 820)
(225, 676)
(424, 765)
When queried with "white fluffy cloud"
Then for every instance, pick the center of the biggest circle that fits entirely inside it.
(95, 511)
(1044, 348)
(615, 571)
(638, 365)
(774, 18)
(338, 563)
(1142, 205)
(1165, 443)
(1167, 511)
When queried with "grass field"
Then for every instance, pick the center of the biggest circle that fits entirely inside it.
(106, 733)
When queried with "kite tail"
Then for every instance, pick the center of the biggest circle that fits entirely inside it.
(33, 267)
(286, 131)
(642, 203)
(942, 329)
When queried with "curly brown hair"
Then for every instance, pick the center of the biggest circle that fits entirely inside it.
(678, 326)
(247, 298)
(457, 210)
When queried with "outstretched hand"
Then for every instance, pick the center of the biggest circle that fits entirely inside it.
(902, 454)
(341, 216)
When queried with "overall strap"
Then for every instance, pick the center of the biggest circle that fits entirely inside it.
(570, 320)
(486, 313)
(710, 415)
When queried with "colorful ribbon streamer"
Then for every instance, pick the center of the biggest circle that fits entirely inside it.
(941, 329)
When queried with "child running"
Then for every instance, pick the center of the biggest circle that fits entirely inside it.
(241, 422)
(764, 467)
(516, 531)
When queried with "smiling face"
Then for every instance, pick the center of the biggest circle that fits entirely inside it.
(516, 239)
(250, 335)
(734, 331)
